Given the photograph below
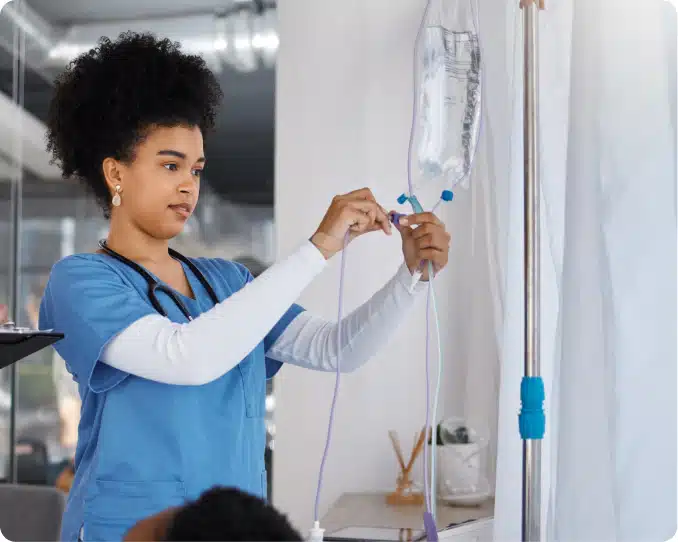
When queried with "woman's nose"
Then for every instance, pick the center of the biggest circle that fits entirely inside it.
(188, 187)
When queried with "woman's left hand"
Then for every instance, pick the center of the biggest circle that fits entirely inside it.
(427, 241)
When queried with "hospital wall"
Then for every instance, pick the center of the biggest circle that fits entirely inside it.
(343, 115)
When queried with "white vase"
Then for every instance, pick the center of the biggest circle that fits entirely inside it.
(458, 469)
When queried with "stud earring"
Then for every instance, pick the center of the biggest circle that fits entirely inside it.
(116, 199)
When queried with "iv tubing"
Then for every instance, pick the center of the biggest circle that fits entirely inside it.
(336, 383)
(436, 398)
(428, 490)
(427, 493)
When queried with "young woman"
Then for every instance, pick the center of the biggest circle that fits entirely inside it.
(171, 354)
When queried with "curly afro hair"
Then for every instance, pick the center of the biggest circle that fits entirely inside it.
(229, 514)
(108, 98)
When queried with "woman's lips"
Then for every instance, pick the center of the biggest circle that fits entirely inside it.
(182, 209)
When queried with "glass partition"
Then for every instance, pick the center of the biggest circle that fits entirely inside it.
(44, 218)
(12, 63)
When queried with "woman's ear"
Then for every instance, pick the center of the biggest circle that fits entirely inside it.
(112, 173)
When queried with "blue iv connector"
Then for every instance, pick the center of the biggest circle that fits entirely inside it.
(445, 196)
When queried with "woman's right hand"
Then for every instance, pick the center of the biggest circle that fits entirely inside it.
(4, 314)
(355, 214)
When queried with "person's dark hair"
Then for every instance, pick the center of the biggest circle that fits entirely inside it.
(229, 514)
(107, 99)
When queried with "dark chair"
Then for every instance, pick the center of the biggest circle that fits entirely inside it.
(32, 462)
(31, 513)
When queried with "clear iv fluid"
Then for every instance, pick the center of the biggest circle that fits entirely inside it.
(449, 93)
(450, 101)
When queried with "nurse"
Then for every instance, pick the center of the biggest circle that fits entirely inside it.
(171, 354)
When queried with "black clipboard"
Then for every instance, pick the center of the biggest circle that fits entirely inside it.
(16, 345)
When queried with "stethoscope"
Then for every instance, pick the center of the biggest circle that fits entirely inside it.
(154, 286)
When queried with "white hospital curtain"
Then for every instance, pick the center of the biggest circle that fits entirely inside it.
(608, 351)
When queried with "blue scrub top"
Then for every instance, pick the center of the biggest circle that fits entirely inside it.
(144, 446)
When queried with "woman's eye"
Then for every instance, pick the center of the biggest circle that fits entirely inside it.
(171, 167)
(197, 172)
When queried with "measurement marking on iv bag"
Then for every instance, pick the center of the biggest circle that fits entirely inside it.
(452, 79)
(462, 57)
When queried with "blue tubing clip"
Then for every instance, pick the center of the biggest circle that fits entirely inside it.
(447, 195)
(395, 217)
(532, 421)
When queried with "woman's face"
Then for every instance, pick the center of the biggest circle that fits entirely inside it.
(159, 188)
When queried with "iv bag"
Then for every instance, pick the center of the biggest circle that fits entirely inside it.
(448, 93)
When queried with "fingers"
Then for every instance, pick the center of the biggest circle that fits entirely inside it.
(381, 218)
(420, 218)
(372, 210)
(428, 228)
(427, 237)
(437, 257)
(405, 231)
(376, 213)
(4, 314)
(363, 193)
(437, 241)
(359, 221)
(366, 207)
(437, 234)
(349, 215)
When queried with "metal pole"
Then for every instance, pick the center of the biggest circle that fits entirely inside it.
(15, 246)
(531, 526)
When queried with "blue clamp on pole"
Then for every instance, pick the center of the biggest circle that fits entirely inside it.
(532, 421)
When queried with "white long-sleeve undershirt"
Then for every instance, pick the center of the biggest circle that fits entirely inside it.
(206, 348)
(311, 342)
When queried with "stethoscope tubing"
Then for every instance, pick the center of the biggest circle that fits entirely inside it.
(154, 286)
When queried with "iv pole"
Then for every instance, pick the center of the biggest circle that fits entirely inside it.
(532, 388)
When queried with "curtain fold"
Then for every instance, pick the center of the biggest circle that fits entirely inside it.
(608, 226)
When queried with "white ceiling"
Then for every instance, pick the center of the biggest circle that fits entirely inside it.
(241, 152)
(74, 11)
